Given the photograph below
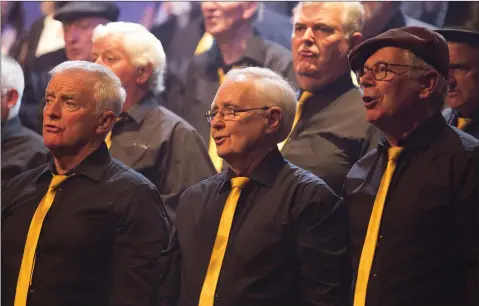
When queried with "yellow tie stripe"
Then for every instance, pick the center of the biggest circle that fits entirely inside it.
(462, 123)
(205, 43)
(208, 290)
(299, 111)
(108, 139)
(369, 247)
(28, 259)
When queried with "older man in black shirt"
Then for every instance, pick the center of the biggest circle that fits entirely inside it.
(412, 202)
(330, 133)
(22, 148)
(148, 137)
(463, 94)
(284, 241)
(96, 237)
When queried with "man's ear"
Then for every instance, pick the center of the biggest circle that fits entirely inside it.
(105, 122)
(274, 118)
(250, 8)
(12, 98)
(354, 40)
(429, 82)
(143, 73)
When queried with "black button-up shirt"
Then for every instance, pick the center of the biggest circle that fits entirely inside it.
(163, 147)
(472, 128)
(427, 251)
(22, 150)
(287, 244)
(193, 89)
(332, 133)
(100, 242)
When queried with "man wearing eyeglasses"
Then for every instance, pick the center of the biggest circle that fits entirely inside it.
(463, 95)
(413, 201)
(264, 232)
(330, 132)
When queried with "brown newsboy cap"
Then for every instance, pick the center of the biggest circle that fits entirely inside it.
(74, 10)
(424, 43)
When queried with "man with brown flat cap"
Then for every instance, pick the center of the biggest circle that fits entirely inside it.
(79, 19)
(463, 94)
(413, 201)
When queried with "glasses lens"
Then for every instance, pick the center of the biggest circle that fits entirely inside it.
(380, 71)
(209, 116)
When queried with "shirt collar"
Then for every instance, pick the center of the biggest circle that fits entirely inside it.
(265, 172)
(93, 166)
(334, 90)
(140, 110)
(255, 52)
(421, 137)
(11, 128)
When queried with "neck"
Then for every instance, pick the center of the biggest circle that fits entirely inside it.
(401, 128)
(244, 166)
(233, 45)
(469, 112)
(134, 95)
(66, 161)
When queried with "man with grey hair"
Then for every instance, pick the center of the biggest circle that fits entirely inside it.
(264, 232)
(236, 43)
(22, 148)
(330, 132)
(413, 200)
(148, 137)
(83, 229)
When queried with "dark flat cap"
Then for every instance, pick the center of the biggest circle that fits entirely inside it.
(78, 9)
(424, 43)
(460, 35)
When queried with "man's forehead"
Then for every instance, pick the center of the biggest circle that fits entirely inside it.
(318, 12)
(385, 54)
(87, 20)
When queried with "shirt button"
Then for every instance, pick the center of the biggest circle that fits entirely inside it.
(381, 237)
(375, 275)
(31, 291)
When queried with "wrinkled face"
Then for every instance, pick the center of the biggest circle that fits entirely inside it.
(393, 97)
(463, 92)
(69, 122)
(222, 17)
(109, 52)
(78, 37)
(236, 138)
(319, 45)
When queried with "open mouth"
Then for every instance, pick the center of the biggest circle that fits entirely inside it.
(369, 102)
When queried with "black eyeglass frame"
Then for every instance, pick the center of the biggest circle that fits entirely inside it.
(362, 72)
(211, 114)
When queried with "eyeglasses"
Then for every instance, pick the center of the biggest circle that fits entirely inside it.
(228, 113)
(380, 70)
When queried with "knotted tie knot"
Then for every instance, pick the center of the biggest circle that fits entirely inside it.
(463, 122)
(393, 153)
(57, 180)
(239, 182)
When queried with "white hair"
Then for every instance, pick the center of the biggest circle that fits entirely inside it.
(271, 89)
(12, 78)
(352, 17)
(142, 47)
(109, 94)
(441, 89)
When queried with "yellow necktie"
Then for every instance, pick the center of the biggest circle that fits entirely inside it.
(369, 247)
(108, 139)
(108, 136)
(205, 43)
(28, 259)
(208, 290)
(299, 110)
(463, 122)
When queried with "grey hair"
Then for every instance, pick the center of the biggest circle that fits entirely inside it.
(352, 17)
(440, 92)
(12, 78)
(142, 47)
(271, 89)
(109, 94)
